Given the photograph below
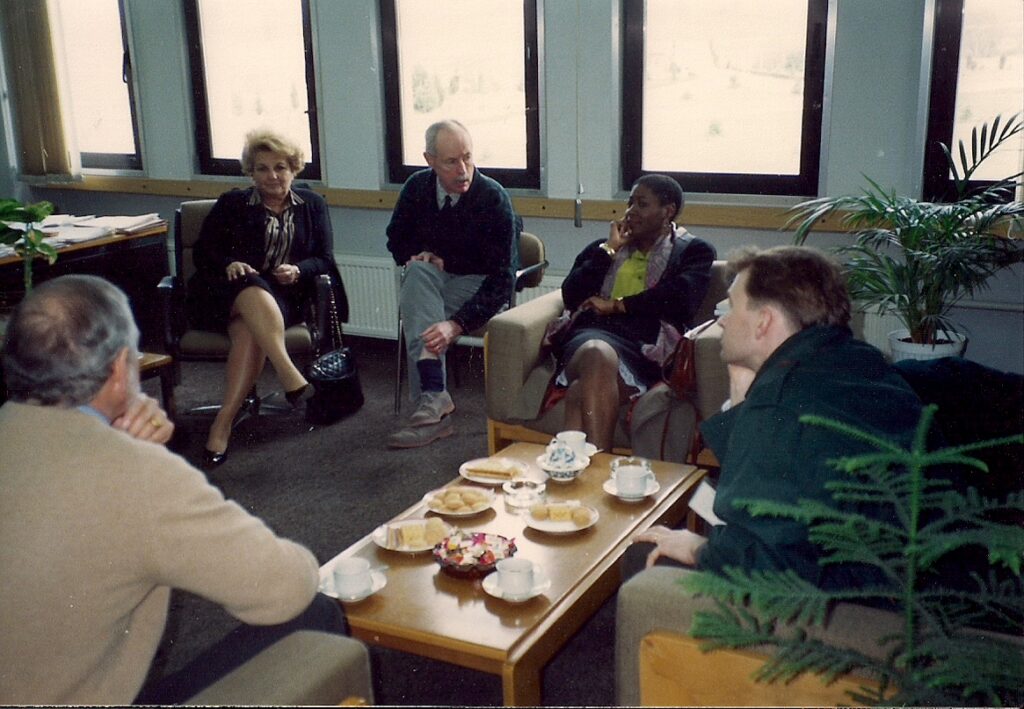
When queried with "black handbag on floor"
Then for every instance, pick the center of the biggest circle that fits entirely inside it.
(334, 376)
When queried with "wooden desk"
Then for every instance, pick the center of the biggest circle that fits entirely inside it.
(135, 263)
(160, 365)
(426, 612)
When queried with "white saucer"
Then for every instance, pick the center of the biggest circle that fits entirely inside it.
(612, 489)
(541, 583)
(378, 580)
(589, 450)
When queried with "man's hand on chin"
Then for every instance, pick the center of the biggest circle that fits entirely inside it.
(145, 420)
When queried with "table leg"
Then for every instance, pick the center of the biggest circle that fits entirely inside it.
(167, 390)
(521, 685)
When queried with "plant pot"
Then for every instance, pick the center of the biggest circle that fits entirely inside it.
(902, 348)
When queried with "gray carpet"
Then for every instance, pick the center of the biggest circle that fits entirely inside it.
(327, 486)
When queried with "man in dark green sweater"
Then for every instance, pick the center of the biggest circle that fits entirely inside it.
(790, 351)
(455, 233)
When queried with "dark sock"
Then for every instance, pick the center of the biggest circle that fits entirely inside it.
(431, 375)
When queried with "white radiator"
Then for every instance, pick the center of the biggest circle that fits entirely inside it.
(373, 295)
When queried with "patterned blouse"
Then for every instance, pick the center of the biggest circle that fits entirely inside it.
(279, 230)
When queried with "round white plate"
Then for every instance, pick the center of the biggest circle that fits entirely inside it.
(522, 470)
(541, 584)
(378, 580)
(561, 526)
(380, 538)
(612, 489)
(484, 505)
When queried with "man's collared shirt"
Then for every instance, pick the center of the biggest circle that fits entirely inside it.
(441, 194)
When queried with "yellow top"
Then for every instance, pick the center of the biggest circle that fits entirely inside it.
(632, 276)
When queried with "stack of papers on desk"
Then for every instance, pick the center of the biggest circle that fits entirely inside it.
(73, 234)
(124, 225)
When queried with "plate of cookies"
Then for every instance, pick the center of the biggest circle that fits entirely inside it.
(492, 471)
(561, 517)
(459, 500)
(412, 535)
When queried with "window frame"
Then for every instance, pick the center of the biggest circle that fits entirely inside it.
(398, 171)
(804, 184)
(232, 167)
(947, 32)
(120, 161)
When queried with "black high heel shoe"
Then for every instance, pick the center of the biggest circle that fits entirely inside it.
(295, 397)
(212, 460)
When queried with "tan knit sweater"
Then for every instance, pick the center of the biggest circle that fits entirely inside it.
(95, 529)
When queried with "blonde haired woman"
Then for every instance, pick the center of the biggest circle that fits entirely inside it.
(257, 259)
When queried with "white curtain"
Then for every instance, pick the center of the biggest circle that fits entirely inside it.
(44, 142)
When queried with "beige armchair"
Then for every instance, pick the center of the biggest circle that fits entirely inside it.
(517, 376)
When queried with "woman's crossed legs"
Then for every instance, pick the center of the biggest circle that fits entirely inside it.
(596, 391)
(256, 332)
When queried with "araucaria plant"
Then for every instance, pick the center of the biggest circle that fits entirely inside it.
(28, 242)
(917, 259)
(932, 659)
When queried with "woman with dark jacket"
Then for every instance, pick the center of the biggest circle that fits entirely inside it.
(257, 259)
(627, 300)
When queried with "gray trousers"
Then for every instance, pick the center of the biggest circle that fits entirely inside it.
(429, 295)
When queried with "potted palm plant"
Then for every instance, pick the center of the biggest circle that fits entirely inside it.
(27, 240)
(916, 259)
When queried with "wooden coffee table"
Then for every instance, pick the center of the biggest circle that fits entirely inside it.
(426, 612)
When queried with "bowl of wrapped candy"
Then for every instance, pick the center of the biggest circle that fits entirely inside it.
(472, 554)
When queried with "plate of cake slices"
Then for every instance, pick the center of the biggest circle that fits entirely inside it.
(493, 471)
(412, 535)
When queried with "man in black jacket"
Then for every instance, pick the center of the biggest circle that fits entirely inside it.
(454, 231)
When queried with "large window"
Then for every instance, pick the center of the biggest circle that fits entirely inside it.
(99, 76)
(252, 67)
(725, 96)
(471, 60)
(977, 74)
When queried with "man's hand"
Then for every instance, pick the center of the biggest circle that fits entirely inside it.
(145, 420)
(440, 335)
(740, 379)
(679, 544)
(239, 269)
(286, 274)
(429, 257)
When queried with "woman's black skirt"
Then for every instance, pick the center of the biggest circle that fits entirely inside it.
(209, 302)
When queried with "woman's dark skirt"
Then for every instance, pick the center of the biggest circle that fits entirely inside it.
(629, 353)
(209, 302)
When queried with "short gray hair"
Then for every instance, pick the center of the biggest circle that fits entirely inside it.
(63, 338)
(433, 129)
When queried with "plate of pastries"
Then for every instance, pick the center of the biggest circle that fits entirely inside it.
(459, 500)
(412, 535)
(563, 517)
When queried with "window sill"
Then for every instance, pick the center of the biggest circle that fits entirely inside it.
(742, 216)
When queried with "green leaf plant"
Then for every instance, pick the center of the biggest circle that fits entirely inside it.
(28, 243)
(916, 259)
(931, 660)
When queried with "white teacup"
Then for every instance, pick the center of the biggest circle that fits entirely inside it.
(515, 577)
(577, 440)
(352, 577)
(632, 476)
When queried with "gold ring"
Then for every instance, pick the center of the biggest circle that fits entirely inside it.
(155, 422)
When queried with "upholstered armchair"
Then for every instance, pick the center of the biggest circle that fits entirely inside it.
(660, 426)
